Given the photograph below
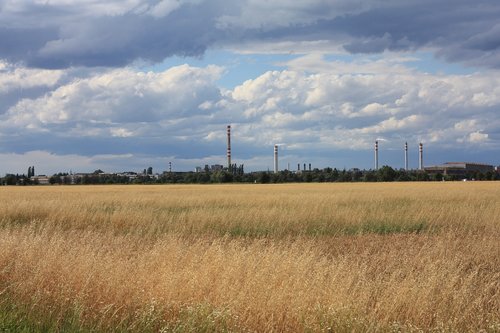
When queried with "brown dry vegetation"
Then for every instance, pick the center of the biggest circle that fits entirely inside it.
(283, 258)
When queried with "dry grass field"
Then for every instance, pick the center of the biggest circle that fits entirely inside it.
(392, 257)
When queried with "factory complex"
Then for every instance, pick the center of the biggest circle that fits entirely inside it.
(462, 169)
(232, 172)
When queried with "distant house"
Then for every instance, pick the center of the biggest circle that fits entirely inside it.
(40, 179)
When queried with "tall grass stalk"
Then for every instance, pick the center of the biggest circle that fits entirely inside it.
(286, 258)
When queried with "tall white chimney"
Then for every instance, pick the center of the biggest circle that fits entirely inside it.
(420, 156)
(406, 156)
(376, 155)
(229, 147)
(275, 158)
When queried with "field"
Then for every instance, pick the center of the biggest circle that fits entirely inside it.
(385, 257)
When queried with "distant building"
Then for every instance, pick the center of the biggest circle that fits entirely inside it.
(209, 168)
(77, 177)
(40, 179)
(216, 167)
(459, 168)
(129, 174)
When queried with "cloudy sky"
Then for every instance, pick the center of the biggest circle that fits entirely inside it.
(126, 84)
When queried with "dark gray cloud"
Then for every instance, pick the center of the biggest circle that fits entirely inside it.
(114, 41)
(458, 31)
(18, 44)
(117, 33)
(11, 98)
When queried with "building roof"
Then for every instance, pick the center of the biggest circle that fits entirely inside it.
(448, 164)
(466, 166)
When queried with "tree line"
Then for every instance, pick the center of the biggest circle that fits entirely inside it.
(236, 175)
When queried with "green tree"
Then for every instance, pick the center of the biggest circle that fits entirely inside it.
(10, 179)
(307, 176)
(437, 177)
(55, 179)
(369, 176)
(386, 174)
(403, 176)
(263, 177)
(221, 177)
(422, 176)
(335, 175)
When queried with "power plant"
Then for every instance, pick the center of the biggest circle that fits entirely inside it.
(447, 168)
(376, 151)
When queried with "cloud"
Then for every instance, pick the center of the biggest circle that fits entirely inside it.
(61, 34)
(478, 137)
(44, 162)
(315, 62)
(17, 83)
(348, 111)
(180, 114)
(121, 96)
(65, 34)
(14, 78)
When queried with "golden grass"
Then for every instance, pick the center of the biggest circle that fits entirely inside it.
(283, 258)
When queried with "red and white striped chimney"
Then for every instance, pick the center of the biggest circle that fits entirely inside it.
(276, 159)
(406, 156)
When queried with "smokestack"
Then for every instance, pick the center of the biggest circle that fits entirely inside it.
(376, 155)
(421, 156)
(275, 158)
(229, 146)
(406, 156)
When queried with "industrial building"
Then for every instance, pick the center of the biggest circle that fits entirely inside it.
(459, 168)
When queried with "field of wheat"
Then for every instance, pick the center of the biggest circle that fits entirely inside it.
(409, 257)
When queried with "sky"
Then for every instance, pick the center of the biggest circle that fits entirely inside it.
(121, 85)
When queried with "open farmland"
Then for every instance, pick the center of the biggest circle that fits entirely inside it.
(383, 257)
